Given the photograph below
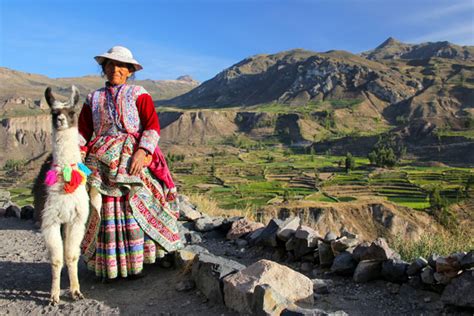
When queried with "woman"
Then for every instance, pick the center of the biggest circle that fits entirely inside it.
(134, 219)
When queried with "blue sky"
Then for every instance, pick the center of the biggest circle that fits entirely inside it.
(203, 37)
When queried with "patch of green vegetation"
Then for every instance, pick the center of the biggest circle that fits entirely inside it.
(254, 177)
(345, 103)
(21, 196)
(442, 244)
(468, 133)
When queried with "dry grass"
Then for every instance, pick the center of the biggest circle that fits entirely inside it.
(442, 243)
(210, 207)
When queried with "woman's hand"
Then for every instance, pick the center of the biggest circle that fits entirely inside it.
(138, 162)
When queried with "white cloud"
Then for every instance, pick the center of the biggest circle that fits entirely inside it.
(440, 12)
(461, 34)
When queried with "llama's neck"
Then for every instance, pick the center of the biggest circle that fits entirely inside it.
(66, 147)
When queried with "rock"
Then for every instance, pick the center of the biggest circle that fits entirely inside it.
(187, 211)
(27, 212)
(5, 199)
(291, 285)
(427, 275)
(321, 286)
(460, 291)
(348, 234)
(208, 271)
(379, 250)
(204, 224)
(184, 286)
(185, 256)
(343, 243)
(326, 257)
(306, 267)
(242, 227)
(268, 235)
(344, 264)
(330, 236)
(442, 278)
(467, 261)
(255, 235)
(288, 228)
(193, 237)
(214, 234)
(13, 211)
(367, 270)
(360, 250)
(416, 266)
(266, 301)
(228, 222)
(394, 270)
(432, 260)
(448, 265)
(304, 241)
(241, 243)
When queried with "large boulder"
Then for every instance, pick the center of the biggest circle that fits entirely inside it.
(209, 270)
(239, 287)
(460, 292)
(344, 264)
(379, 250)
(394, 270)
(367, 270)
(267, 237)
(288, 228)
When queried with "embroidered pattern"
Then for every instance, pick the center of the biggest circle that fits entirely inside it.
(149, 140)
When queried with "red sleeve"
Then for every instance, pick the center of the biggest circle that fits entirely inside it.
(147, 113)
(86, 127)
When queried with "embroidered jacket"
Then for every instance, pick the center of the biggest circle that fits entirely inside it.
(114, 110)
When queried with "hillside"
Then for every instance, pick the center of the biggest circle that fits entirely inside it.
(22, 92)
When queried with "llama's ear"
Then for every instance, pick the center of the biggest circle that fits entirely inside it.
(74, 96)
(49, 97)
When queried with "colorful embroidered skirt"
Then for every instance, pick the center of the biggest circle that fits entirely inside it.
(121, 246)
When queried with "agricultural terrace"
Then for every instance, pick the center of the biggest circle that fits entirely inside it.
(259, 177)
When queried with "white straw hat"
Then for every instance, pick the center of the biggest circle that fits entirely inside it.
(121, 54)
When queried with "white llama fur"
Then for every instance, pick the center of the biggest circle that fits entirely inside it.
(61, 208)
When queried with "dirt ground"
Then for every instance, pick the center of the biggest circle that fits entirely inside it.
(25, 280)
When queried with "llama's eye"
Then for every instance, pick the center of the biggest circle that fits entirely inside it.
(71, 114)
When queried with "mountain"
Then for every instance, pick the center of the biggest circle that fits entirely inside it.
(393, 49)
(431, 83)
(22, 92)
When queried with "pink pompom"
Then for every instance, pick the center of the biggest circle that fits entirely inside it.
(51, 177)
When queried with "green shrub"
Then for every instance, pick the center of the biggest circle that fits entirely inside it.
(14, 165)
(441, 243)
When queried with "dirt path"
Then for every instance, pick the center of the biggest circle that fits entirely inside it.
(25, 281)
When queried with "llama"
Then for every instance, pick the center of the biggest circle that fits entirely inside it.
(67, 201)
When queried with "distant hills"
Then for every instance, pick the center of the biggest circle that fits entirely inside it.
(20, 91)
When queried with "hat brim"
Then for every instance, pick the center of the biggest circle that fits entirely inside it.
(101, 58)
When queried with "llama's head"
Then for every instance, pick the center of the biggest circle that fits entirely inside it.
(65, 114)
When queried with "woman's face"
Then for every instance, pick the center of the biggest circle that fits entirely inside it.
(116, 72)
